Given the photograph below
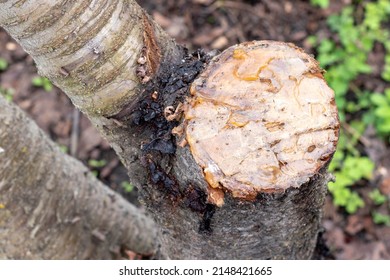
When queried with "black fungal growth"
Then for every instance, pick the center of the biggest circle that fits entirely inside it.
(166, 92)
(169, 90)
(195, 199)
(147, 116)
(165, 181)
(205, 225)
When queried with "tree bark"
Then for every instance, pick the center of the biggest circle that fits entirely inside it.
(52, 207)
(134, 86)
(261, 126)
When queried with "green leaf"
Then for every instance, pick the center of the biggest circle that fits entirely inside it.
(383, 112)
(42, 82)
(326, 46)
(341, 114)
(47, 85)
(336, 160)
(8, 93)
(340, 88)
(37, 81)
(364, 68)
(377, 197)
(384, 127)
(378, 99)
(3, 64)
(387, 94)
(386, 73)
(127, 187)
(311, 40)
(368, 118)
(367, 43)
(341, 196)
(342, 181)
(97, 163)
(351, 107)
(334, 22)
(354, 203)
(358, 167)
(380, 219)
(320, 3)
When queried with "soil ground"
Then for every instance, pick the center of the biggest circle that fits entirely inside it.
(207, 24)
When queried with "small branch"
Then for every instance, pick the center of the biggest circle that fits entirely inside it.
(75, 132)
(356, 134)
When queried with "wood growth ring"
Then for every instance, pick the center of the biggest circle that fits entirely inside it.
(261, 118)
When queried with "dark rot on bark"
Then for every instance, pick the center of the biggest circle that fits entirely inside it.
(261, 119)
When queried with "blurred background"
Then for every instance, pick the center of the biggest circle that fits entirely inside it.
(350, 39)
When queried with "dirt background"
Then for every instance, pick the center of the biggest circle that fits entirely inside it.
(207, 24)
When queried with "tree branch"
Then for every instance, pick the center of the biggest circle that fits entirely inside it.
(53, 207)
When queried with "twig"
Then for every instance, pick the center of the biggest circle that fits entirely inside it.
(233, 5)
(355, 133)
(75, 132)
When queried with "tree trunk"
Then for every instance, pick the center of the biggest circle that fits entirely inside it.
(261, 126)
(52, 207)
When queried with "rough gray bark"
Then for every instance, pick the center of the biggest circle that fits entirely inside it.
(279, 226)
(137, 117)
(52, 207)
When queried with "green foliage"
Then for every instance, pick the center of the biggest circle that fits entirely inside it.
(42, 82)
(320, 3)
(344, 57)
(376, 13)
(312, 40)
(3, 64)
(377, 197)
(381, 113)
(8, 93)
(381, 219)
(97, 163)
(352, 170)
(349, 167)
(386, 70)
(127, 187)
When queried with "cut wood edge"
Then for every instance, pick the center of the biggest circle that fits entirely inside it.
(260, 119)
